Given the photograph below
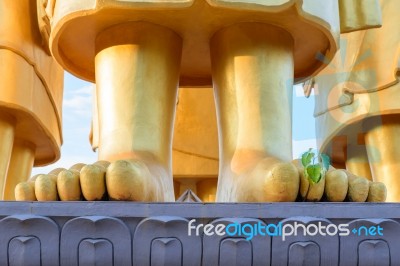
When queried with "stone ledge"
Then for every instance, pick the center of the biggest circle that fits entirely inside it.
(129, 233)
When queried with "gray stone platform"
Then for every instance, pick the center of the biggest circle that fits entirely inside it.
(127, 233)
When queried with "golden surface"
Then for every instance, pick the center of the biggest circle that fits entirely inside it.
(253, 109)
(195, 143)
(7, 129)
(31, 96)
(357, 15)
(361, 81)
(137, 80)
(357, 161)
(314, 26)
(137, 70)
(138, 52)
(356, 94)
(250, 50)
(20, 167)
(33, 80)
(382, 142)
(206, 189)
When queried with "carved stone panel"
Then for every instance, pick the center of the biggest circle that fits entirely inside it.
(29, 240)
(162, 250)
(24, 251)
(371, 242)
(164, 240)
(305, 253)
(235, 249)
(374, 253)
(95, 252)
(95, 240)
(305, 249)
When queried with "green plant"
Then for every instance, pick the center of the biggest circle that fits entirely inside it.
(315, 167)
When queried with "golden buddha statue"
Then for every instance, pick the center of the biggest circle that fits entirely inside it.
(251, 52)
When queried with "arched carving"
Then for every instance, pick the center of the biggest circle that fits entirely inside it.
(95, 239)
(163, 240)
(367, 246)
(236, 250)
(27, 239)
(303, 249)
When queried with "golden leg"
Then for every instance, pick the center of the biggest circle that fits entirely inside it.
(20, 168)
(6, 140)
(252, 66)
(137, 73)
(382, 142)
(357, 161)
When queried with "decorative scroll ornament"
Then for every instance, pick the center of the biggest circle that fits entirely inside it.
(45, 11)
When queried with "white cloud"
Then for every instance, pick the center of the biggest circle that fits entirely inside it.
(79, 101)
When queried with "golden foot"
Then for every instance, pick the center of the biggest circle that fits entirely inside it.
(130, 180)
(361, 189)
(135, 180)
(270, 180)
(340, 185)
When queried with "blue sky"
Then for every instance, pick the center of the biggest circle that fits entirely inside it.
(77, 114)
